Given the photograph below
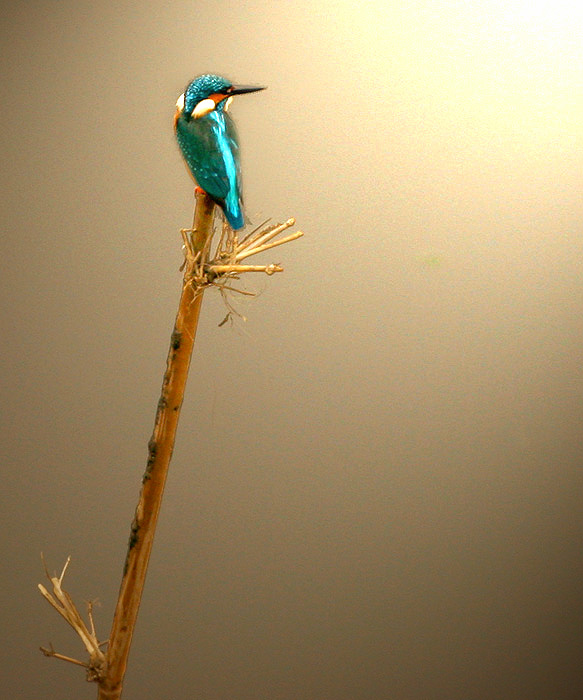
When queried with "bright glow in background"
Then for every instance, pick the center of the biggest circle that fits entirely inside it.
(376, 490)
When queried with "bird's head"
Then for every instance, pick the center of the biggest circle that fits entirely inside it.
(209, 92)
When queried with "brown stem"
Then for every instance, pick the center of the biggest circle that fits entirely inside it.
(160, 452)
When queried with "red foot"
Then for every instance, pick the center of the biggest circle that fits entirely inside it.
(199, 190)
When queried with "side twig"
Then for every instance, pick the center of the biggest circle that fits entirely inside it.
(63, 604)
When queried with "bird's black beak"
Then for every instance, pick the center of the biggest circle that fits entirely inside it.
(242, 89)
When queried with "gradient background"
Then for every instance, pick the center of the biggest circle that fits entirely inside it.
(376, 488)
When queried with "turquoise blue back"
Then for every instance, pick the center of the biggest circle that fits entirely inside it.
(210, 147)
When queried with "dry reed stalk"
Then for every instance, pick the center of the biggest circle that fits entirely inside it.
(200, 271)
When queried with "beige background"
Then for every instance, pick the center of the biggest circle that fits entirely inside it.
(376, 490)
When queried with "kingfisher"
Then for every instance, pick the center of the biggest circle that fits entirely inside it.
(208, 140)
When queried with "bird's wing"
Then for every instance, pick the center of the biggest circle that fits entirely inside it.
(234, 202)
(210, 148)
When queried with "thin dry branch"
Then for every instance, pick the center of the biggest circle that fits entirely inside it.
(160, 447)
(200, 272)
(227, 269)
(198, 275)
(267, 246)
(261, 237)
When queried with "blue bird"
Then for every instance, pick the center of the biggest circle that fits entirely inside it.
(208, 140)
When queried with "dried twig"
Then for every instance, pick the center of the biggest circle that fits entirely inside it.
(63, 604)
(226, 261)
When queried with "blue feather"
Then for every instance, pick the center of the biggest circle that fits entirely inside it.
(210, 145)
